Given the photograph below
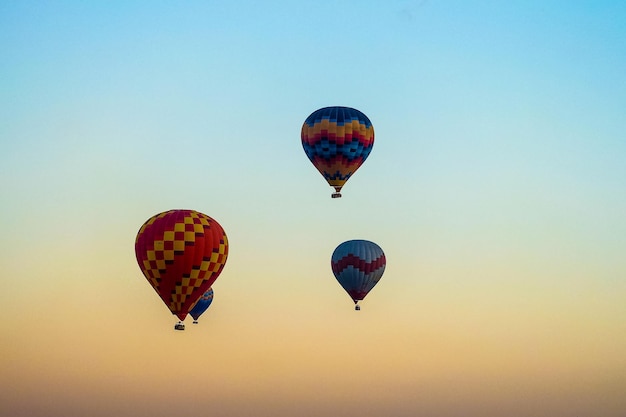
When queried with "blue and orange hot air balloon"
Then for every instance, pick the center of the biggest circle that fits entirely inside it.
(358, 265)
(201, 305)
(337, 140)
(181, 253)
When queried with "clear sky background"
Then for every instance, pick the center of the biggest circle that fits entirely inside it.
(496, 187)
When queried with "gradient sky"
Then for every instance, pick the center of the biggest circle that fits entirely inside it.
(496, 187)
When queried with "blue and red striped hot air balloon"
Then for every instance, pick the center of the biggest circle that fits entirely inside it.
(337, 141)
(358, 265)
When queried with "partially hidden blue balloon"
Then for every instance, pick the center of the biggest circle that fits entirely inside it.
(201, 305)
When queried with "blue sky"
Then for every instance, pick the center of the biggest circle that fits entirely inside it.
(495, 186)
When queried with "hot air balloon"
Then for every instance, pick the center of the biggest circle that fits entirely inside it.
(181, 253)
(358, 265)
(337, 140)
(201, 305)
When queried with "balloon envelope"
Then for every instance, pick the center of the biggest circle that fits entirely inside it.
(358, 265)
(181, 253)
(202, 304)
(337, 140)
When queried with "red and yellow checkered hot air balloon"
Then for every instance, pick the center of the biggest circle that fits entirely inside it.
(181, 253)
